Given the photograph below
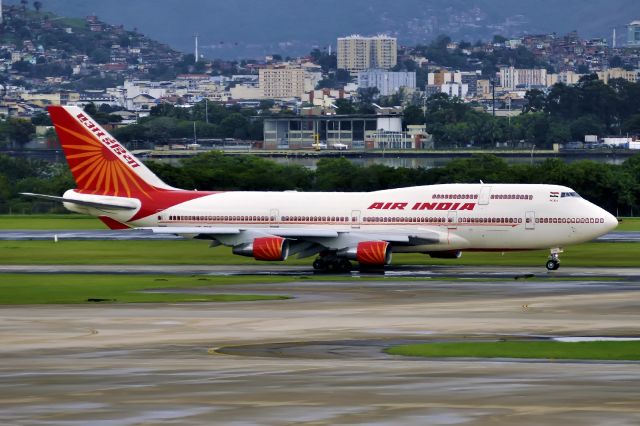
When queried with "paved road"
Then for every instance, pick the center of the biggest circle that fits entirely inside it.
(316, 359)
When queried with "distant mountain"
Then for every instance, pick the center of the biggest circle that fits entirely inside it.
(253, 28)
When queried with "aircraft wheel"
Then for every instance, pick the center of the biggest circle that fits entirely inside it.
(332, 266)
(345, 265)
(553, 265)
(319, 264)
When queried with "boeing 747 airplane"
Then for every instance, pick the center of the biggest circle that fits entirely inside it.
(337, 227)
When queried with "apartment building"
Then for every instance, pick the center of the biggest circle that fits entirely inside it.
(387, 82)
(613, 73)
(282, 83)
(357, 53)
(522, 78)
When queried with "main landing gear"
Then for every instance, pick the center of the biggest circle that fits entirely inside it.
(554, 259)
(332, 263)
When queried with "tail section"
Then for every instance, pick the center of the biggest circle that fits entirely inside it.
(99, 164)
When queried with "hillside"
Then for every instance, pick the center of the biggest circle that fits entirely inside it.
(245, 28)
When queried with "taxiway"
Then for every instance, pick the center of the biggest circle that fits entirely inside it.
(317, 358)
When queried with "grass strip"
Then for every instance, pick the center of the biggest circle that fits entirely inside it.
(17, 289)
(196, 252)
(601, 350)
(50, 222)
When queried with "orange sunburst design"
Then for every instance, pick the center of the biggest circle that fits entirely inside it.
(268, 248)
(372, 252)
(96, 168)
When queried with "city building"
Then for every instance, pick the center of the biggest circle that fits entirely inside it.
(416, 137)
(565, 77)
(357, 53)
(633, 34)
(613, 73)
(522, 78)
(302, 132)
(387, 82)
(282, 83)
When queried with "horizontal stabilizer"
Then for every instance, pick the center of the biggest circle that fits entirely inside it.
(95, 204)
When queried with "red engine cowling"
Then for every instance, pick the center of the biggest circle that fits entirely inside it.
(373, 253)
(265, 248)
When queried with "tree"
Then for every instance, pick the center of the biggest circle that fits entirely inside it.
(368, 95)
(631, 125)
(344, 107)
(586, 125)
(20, 131)
(413, 115)
(535, 100)
(37, 5)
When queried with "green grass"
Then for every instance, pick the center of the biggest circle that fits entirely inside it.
(196, 252)
(78, 288)
(611, 350)
(628, 224)
(52, 221)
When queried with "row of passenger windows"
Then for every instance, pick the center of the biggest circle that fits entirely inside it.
(569, 220)
(344, 219)
(317, 219)
(455, 196)
(222, 218)
(511, 197)
(493, 197)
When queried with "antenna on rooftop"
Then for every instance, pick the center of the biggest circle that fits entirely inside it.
(613, 42)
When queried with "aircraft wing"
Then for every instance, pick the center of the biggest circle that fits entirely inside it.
(334, 239)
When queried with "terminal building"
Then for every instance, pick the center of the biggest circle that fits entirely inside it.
(302, 132)
(359, 132)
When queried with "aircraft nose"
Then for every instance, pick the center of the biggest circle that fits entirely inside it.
(610, 221)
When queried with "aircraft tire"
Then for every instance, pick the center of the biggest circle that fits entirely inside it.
(552, 265)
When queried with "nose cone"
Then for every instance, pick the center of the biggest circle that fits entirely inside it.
(610, 222)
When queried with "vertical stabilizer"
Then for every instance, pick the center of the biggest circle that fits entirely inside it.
(98, 162)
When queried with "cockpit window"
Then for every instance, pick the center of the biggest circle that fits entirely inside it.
(569, 194)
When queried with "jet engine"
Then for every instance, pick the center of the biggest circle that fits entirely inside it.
(376, 253)
(264, 248)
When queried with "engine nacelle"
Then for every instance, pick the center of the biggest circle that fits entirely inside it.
(451, 254)
(376, 253)
(264, 248)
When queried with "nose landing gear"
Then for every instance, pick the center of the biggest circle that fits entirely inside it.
(554, 259)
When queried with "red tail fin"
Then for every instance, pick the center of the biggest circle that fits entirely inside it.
(99, 164)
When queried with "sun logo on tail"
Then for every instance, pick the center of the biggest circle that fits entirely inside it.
(97, 169)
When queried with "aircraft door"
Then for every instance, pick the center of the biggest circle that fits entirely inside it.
(452, 220)
(530, 220)
(485, 195)
(274, 218)
(355, 219)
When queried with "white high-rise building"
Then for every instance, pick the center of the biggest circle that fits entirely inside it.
(357, 53)
(387, 82)
(522, 78)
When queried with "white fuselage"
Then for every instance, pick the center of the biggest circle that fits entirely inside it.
(464, 216)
